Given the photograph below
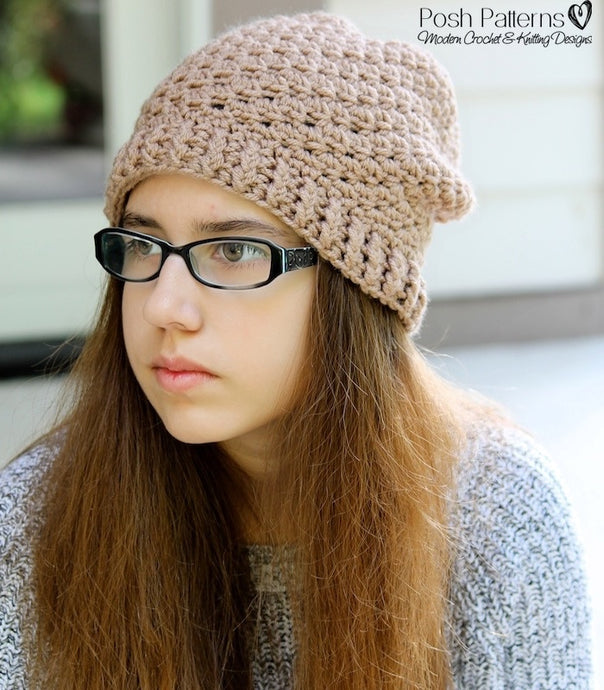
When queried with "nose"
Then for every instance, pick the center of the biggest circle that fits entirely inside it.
(174, 299)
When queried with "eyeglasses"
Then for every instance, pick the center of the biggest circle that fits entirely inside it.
(226, 263)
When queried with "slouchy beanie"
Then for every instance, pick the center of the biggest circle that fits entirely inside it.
(352, 142)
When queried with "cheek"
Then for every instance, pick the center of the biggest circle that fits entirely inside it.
(127, 316)
(283, 344)
(131, 320)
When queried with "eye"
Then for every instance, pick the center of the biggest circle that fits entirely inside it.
(232, 251)
(235, 252)
(138, 248)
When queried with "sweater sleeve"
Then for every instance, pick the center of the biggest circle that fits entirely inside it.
(16, 599)
(520, 613)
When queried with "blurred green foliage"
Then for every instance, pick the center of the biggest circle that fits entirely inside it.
(30, 101)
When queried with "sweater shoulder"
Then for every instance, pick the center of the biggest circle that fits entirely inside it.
(18, 483)
(504, 457)
(507, 488)
(20, 512)
(18, 518)
(511, 508)
(520, 608)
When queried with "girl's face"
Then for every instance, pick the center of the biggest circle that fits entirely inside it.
(217, 365)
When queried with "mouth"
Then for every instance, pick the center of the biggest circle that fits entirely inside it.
(178, 374)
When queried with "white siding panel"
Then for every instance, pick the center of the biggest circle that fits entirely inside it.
(141, 44)
(49, 280)
(527, 243)
(537, 139)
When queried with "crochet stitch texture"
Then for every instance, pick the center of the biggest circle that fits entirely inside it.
(352, 142)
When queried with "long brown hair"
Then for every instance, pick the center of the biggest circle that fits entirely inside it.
(138, 572)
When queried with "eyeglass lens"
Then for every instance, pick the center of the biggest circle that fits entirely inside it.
(221, 262)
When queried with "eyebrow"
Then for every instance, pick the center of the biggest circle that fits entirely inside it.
(131, 220)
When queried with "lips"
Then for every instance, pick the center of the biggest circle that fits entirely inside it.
(178, 374)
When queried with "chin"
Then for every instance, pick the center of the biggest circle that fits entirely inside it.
(191, 438)
(194, 433)
(187, 433)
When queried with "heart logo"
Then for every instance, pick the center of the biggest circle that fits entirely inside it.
(580, 14)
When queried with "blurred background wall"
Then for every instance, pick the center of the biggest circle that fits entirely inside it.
(529, 263)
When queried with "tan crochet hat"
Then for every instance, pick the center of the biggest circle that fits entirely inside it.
(352, 142)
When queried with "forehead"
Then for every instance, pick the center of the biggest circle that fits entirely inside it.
(174, 198)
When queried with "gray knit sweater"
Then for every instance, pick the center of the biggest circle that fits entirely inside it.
(519, 613)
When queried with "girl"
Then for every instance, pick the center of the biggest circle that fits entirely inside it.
(260, 482)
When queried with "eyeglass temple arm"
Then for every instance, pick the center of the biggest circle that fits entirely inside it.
(299, 257)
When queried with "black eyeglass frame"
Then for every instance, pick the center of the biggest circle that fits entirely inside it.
(283, 259)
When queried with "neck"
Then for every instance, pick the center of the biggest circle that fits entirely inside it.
(250, 454)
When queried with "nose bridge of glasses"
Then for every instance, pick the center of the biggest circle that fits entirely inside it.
(182, 251)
